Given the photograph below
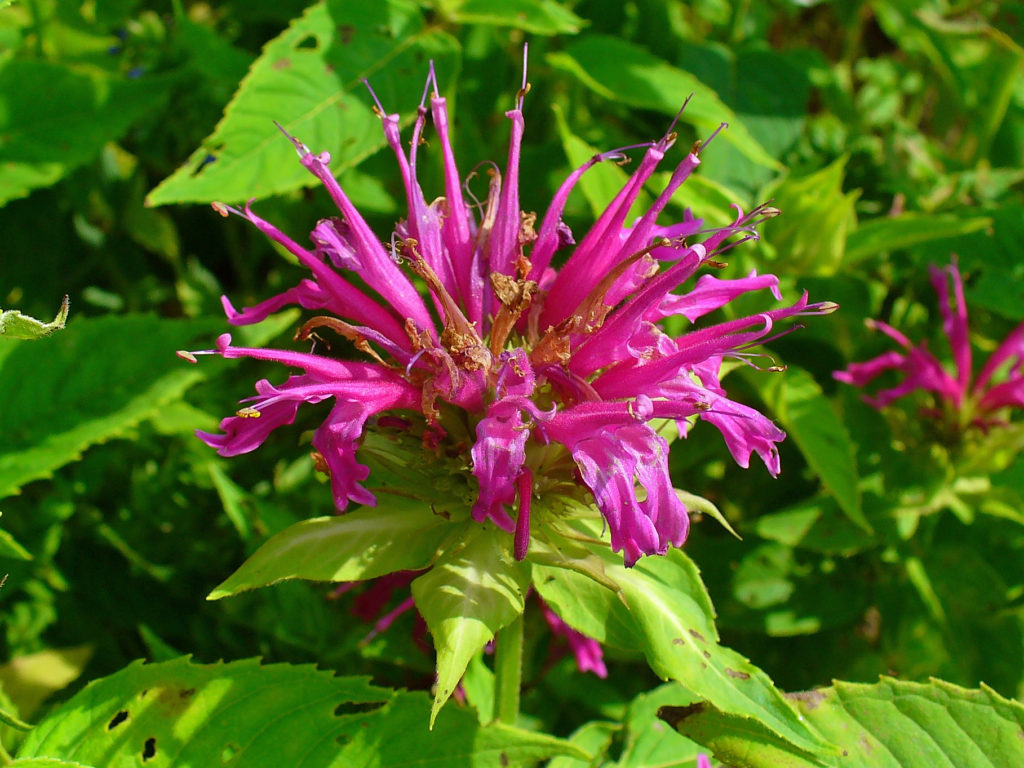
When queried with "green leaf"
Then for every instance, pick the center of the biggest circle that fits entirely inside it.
(91, 383)
(245, 713)
(308, 79)
(15, 325)
(670, 617)
(538, 17)
(53, 119)
(647, 742)
(468, 595)
(816, 217)
(627, 74)
(179, 713)
(809, 419)
(9, 547)
(29, 680)
(890, 724)
(398, 535)
(47, 762)
(397, 736)
(885, 235)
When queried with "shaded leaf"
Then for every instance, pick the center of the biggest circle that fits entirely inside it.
(628, 74)
(539, 17)
(810, 420)
(89, 384)
(53, 119)
(890, 234)
(29, 680)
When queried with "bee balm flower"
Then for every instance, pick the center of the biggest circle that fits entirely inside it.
(554, 373)
(964, 400)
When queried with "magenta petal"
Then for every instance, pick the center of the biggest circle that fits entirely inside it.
(272, 408)
(498, 457)
(337, 441)
(613, 463)
(588, 652)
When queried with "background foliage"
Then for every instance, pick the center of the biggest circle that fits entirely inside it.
(890, 133)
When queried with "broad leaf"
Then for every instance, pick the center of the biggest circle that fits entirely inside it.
(90, 383)
(539, 17)
(890, 724)
(810, 420)
(15, 325)
(467, 596)
(398, 535)
(627, 74)
(884, 235)
(309, 81)
(663, 603)
(816, 217)
(244, 713)
(53, 119)
(47, 762)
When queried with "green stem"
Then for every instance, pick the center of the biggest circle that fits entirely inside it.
(508, 671)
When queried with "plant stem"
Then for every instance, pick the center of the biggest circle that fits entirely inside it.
(508, 671)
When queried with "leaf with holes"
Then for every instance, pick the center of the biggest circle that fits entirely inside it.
(469, 595)
(248, 714)
(308, 80)
(891, 724)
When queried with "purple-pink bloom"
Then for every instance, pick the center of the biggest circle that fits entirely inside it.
(557, 371)
(964, 400)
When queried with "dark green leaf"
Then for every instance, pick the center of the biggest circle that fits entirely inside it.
(797, 400)
(890, 234)
(86, 385)
(627, 74)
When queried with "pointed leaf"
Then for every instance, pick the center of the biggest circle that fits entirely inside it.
(308, 80)
(15, 325)
(628, 74)
(884, 235)
(670, 615)
(891, 724)
(812, 423)
(399, 535)
(466, 598)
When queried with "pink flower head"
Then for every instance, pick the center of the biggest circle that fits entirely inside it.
(558, 372)
(980, 403)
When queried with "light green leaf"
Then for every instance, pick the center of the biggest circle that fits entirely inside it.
(467, 596)
(816, 217)
(885, 235)
(15, 325)
(398, 535)
(627, 74)
(602, 182)
(47, 762)
(809, 419)
(891, 724)
(29, 680)
(245, 713)
(53, 119)
(91, 383)
(308, 80)
(179, 713)
(538, 17)
(664, 605)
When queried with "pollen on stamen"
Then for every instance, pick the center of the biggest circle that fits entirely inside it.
(187, 356)
(220, 208)
(248, 413)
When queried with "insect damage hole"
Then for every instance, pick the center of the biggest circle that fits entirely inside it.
(149, 749)
(117, 719)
